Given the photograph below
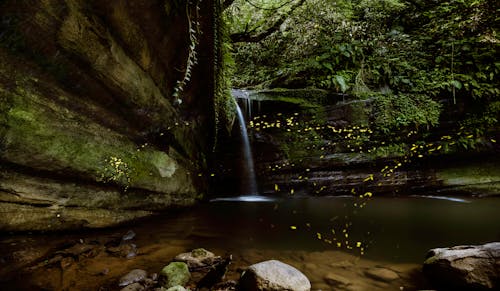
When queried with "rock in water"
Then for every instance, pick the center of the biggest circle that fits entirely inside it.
(176, 273)
(198, 259)
(136, 275)
(133, 287)
(382, 274)
(274, 275)
(215, 275)
(465, 267)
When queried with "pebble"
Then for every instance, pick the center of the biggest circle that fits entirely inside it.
(129, 235)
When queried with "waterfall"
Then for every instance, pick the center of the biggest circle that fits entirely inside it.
(249, 181)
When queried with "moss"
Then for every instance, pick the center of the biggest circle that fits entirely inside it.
(284, 95)
(42, 135)
(476, 174)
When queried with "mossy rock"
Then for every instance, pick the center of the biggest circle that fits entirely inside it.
(175, 274)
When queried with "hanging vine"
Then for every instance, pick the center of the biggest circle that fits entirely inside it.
(225, 107)
(194, 32)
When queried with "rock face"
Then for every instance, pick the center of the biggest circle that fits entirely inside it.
(319, 144)
(94, 128)
(273, 275)
(465, 267)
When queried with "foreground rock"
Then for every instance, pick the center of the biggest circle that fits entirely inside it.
(274, 275)
(198, 258)
(465, 267)
(175, 274)
(134, 276)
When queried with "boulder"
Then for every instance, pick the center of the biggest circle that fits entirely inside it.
(273, 275)
(176, 273)
(464, 267)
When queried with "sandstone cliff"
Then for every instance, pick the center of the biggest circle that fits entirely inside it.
(92, 131)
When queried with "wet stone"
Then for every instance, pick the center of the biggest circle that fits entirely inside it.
(198, 258)
(274, 275)
(134, 287)
(382, 274)
(336, 280)
(124, 250)
(136, 275)
(129, 235)
(66, 262)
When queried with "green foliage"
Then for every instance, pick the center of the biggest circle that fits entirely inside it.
(410, 55)
(404, 110)
(225, 108)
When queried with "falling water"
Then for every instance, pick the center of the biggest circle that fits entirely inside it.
(250, 182)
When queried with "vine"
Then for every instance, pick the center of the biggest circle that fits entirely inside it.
(225, 107)
(194, 31)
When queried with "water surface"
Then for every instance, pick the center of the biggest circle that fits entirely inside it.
(319, 235)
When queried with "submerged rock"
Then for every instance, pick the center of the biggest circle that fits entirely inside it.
(382, 274)
(176, 273)
(133, 287)
(136, 275)
(215, 274)
(127, 250)
(274, 275)
(464, 267)
(336, 280)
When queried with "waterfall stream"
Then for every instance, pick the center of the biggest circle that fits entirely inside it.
(249, 180)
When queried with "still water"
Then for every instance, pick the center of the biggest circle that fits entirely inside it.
(319, 235)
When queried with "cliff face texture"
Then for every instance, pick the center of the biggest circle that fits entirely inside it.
(92, 131)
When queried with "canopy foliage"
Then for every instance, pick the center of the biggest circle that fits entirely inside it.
(413, 57)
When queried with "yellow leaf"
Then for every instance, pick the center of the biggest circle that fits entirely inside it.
(293, 227)
(276, 188)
